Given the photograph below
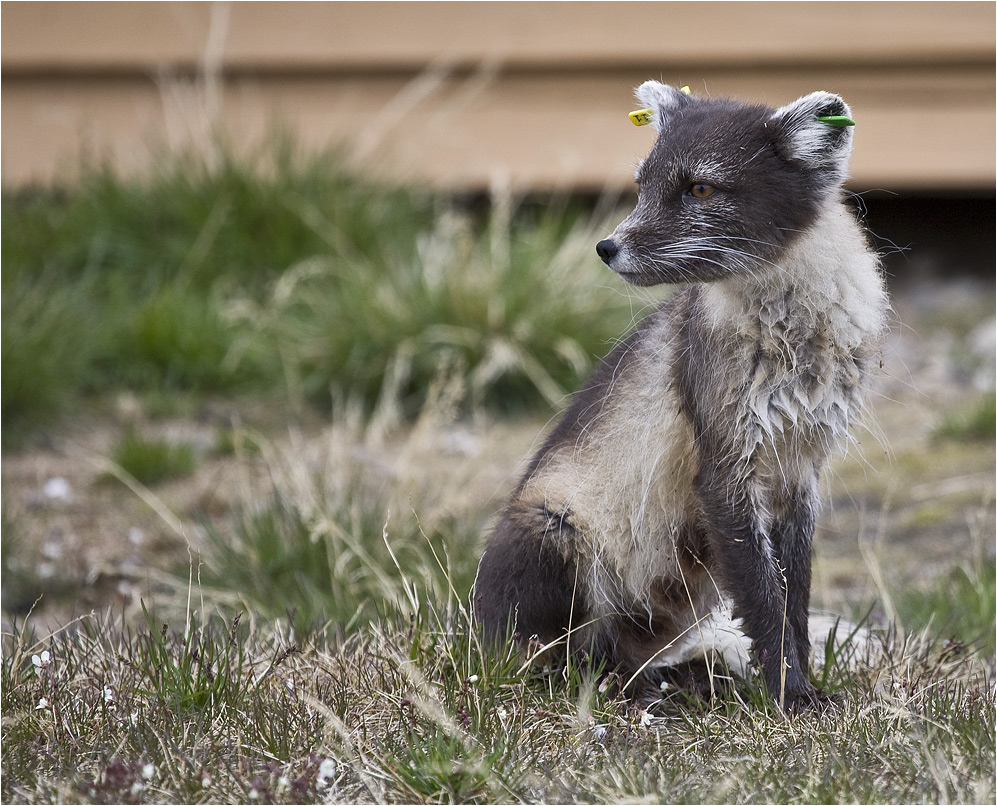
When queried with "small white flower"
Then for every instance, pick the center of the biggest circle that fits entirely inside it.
(137, 787)
(326, 772)
(253, 794)
(472, 679)
(600, 732)
(646, 719)
(41, 661)
(148, 771)
(42, 704)
(205, 782)
(108, 694)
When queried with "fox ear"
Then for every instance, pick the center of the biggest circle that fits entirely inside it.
(663, 101)
(822, 146)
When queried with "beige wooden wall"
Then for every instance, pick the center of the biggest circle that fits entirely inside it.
(463, 95)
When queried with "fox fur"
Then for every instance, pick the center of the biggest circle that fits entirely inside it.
(679, 491)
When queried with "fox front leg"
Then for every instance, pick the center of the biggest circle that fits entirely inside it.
(766, 574)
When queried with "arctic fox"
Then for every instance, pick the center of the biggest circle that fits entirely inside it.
(682, 482)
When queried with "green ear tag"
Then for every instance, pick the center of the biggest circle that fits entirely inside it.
(838, 121)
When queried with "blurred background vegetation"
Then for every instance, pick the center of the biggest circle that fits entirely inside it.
(296, 280)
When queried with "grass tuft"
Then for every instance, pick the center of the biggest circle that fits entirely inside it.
(48, 342)
(340, 543)
(975, 423)
(279, 273)
(122, 283)
(959, 606)
(151, 461)
(491, 302)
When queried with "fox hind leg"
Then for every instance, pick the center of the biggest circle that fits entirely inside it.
(527, 579)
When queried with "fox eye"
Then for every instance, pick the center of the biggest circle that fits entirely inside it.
(701, 190)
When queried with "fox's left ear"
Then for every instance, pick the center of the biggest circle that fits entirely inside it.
(823, 146)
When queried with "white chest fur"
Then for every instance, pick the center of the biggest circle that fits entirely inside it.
(807, 328)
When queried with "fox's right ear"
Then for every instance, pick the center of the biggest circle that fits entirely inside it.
(663, 101)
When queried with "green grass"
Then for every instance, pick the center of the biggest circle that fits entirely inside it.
(493, 303)
(335, 563)
(279, 274)
(151, 461)
(976, 422)
(959, 606)
(339, 539)
(121, 283)
(48, 341)
(412, 710)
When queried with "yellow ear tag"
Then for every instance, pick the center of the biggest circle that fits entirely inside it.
(642, 117)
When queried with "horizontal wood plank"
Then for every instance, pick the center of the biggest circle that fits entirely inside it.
(349, 35)
(927, 129)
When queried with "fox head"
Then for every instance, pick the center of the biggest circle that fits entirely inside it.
(727, 185)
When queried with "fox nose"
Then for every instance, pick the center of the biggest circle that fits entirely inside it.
(606, 249)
